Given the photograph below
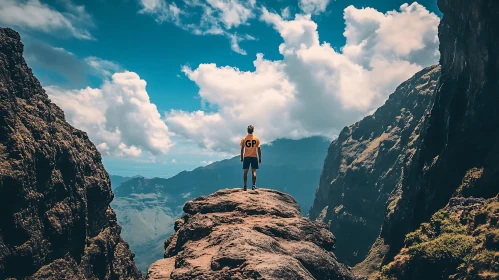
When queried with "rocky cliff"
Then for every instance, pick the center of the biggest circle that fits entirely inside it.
(365, 163)
(458, 158)
(233, 234)
(55, 222)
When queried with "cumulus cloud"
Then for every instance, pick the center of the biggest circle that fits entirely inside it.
(313, 6)
(119, 117)
(34, 15)
(314, 89)
(210, 17)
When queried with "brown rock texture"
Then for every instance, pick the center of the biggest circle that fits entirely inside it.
(459, 153)
(55, 222)
(258, 234)
(365, 164)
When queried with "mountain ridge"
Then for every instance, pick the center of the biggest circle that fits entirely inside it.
(366, 162)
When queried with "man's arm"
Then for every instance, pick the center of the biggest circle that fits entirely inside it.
(259, 155)
(242, 152)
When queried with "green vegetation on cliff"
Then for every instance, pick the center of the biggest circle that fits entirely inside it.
(460, 241)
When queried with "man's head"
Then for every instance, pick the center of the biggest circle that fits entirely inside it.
(250, 129)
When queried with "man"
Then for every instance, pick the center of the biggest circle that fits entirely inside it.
(250, 146)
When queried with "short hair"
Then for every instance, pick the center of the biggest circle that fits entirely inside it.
(251, 128)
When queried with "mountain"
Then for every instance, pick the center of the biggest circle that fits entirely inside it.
(233, 234)
(366, 162)
(147, 208)
(117, 180)
(442, 224)
(55, 222)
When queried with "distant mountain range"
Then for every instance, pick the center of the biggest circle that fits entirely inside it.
(116, 180)
(148, 208)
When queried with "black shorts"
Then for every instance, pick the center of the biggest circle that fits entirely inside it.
(253, 161)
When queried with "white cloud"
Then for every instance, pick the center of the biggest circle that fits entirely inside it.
(102, 67)
(210, 17)
(161, 10)
(131, 151)
(410, 35)
(34, 15)
(119, 117)
(314, 89)
(313, 6)
(204, 162)
(285, 13)
(235, 39)
(174, 161)
(233, 12)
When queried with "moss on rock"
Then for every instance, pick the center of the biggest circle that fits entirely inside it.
(460, 241)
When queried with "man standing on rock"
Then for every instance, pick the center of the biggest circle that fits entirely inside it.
(250, 146)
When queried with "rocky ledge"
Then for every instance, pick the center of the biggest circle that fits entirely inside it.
(232, 234)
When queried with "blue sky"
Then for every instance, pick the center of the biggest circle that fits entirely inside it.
(202, 89)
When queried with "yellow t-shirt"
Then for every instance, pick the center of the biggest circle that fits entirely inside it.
(250, 144)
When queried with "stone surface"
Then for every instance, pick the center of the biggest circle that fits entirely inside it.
(459, 153)
(365, 164)
(55, 222)
(233, 234)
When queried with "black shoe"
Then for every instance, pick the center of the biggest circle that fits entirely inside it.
(245, 188)
(253, 187)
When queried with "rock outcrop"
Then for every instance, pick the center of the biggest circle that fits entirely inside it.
(459, 153)
(55, 222)
(232, 234)
(147, 208)
(365, 163)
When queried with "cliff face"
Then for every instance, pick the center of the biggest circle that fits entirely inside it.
(55, 222)
(365, 163)
(260, 234)
(459, 154)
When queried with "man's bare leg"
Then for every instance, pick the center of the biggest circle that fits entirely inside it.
(245, 178)
(254, 178)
